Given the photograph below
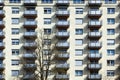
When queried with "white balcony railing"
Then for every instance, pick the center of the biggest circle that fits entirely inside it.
(62, 1)
(62, 76)
(62, 12)
(94, 66)
(30, 34)
(95, 23)
(95, 1)
(29, 1)
(95, 34)
(62, 23)
(62, 33)
(94, 76)
(31, 12)
(62, 44)
(95, 12)
(30, 23)
(29, 55)
(96, 55)
(95, 44)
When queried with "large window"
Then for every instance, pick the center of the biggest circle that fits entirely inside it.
(47, 1)
(47, 20)
(110, 62)
(78, 72)
(110, 1)
(110, 52)
(79, 11)
(78, 62)
(15, 72)
(78, 1)
(110, 10)
(14, 1)
(15, 62)
(110, 41)
(15, 10)
(47, 10)
(110, 31)
(15, 30)
(78, 21)
(78, 42)
(15, 20)
(15, 51)
(78, 52)
(110, 73)
(15, 41)
(111, 21)
(78, 31)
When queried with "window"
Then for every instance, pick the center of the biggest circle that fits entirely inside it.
(110, 41)
(78, 52)
(47, 31)
(110, 1)
(47, 10)
(78, 31)
(94, 51)
(110, 72)
(47, 41)
(110, 52)
(15, 51)
(15, 62)
(47, 1)
(79, 21)
(110, 62)
(14, 1)
(79, 10)
(111, 21)
(47, 20)
(78, 72)
(78, 42)
(15, 20)
(15, 41)
(110, 31)
(15, 72)
(78, 62)
(78, 1)
(15, 10)
(15, 30)
(110, 10)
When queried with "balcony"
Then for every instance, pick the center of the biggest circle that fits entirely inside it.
(30, 66)
(94, 14)
(94, 67)
(30, 45)
(1, 2)
(28, 77)
(30, 35)
(62, 24)
(94, 45)
(63, 66)
(62, 56)
(61, 77)
(62, 3)
(94, 77)
(30, 24)
(30, 13)
(2, 56)
(2, 24)
(94, 24)
(2, 77)
(29, 56)
(2, 35)
(94, 3)
(62, 14)
(2, 45)
(62, 35)
(62, 45)
(2, 14)
(2, 67)
(30, 2)
(94, 56)
(94, 35)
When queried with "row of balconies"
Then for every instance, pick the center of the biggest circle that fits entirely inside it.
(29, 56)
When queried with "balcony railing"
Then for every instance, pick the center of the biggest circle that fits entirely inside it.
(94, 76)
(29, 55)
(62, 2)
(28, 76)
(30, 45)
(2, 76)
(29, 65)
(64, 65)
(30, 34)
(62, 76)
(94, 35)
(62, 34)
(94, 45)
(2, 55)
(30, 23)
(62, 55)
(30, 2)
(30, 12)
(62, 44)
(95, 23)
(94, 56)
(94, 14)
(62, 23)
(62, 12)
(94, 66)
(94, 2)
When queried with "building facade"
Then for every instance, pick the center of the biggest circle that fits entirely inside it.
(87, 34)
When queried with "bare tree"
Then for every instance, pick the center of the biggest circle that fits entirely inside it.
(43, 56)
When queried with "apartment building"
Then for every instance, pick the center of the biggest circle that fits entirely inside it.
(87, 34)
